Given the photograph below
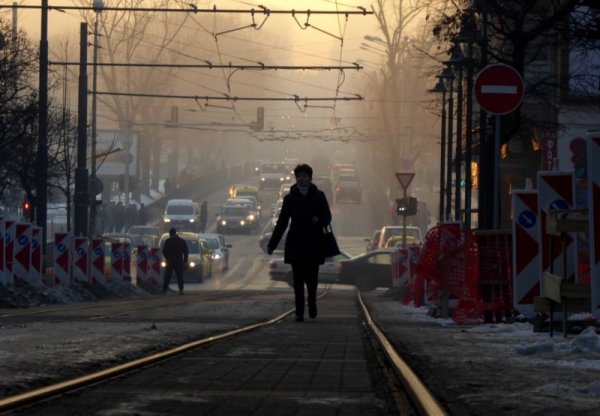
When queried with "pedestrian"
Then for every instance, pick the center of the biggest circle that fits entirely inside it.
(175, 252)
(203, 216)
(168, 186)
(309, 212)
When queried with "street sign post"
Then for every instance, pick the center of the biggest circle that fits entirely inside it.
(499, 90)
(405, 178)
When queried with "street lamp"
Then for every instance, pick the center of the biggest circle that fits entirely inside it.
(440, 87)
(457, 60)
(448, 77)
(98, 7)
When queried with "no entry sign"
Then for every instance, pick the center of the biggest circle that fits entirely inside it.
(499, 89)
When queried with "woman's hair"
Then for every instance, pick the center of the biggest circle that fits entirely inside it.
(303, 168)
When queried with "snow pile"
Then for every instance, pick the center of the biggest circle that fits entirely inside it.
(25, 295)
(586, 342)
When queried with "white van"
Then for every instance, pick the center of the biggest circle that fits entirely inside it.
(183, 214)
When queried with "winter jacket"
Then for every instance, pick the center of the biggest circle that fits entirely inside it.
(175, 250)
(304, 239)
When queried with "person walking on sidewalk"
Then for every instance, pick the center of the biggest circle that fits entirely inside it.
(175, 252)
(309, 212)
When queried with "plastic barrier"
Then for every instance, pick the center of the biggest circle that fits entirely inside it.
(9, 246)
(142, 265)
(116, 262)
(2, 265)
(97, 262)
(154, 268)
(526, 250)
(22, 252)
(450, 260)
(400, 267)
(593, 157)
(556, 190)
(80, 259)
(62, 259)
(416, 285)
(35, 271)
(127, 261)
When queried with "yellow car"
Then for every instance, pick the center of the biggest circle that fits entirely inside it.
(240, 191)
(396, 240)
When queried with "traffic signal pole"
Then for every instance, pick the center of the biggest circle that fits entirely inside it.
(81, 173)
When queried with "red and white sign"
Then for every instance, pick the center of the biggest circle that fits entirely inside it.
(35, 271)
(405, 178)
(22, 252)
(499, 89)
(593, 156)
(400, 268)
(80, 259)
(416, 286)
(97, 262)
(556, 190)
(116, 262)
(526, 250)
(142, 265)
(9, 246)
(154, 269)
(127, 260)
(62, 259)
(2, 281)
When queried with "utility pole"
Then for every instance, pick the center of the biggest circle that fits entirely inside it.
(81, 172)
(41, 194)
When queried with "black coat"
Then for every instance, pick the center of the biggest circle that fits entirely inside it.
(175, 251)
(304, 239)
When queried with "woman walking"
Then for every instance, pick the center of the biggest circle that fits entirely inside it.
(308, 210)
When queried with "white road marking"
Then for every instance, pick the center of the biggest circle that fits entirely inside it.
(498, 89)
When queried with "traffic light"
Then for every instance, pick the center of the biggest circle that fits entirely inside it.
(26, 207)
(406, 207)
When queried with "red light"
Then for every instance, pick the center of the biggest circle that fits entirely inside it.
(26, 206)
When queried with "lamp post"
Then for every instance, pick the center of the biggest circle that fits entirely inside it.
(448, 77)
(440, 87)
(98, 7)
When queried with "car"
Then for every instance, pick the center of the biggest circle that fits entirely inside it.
(149, 233)
(242, 191)
(273, 174)
(397, 241)
(236, 217)
(256, 167)
(328, 271)
(368, 271)
(372, 243)
(342, 169)
(250, 205)
(199, 258)
(284, 189)
(219, 248)
(244, 200)
(388, 231)
(324, 184)
(348, 190)
(183, 214)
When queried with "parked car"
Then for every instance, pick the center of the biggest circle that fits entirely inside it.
(348, 190)
(388, 231)
(183, 214)
(328, 271)
(372, 243)
(368, 271)
(199, 258)
(220, 250)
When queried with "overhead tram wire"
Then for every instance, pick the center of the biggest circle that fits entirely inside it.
(210, 65)
(231, 98)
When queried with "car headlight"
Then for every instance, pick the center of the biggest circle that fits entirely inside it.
(163, 264)
(281, 179)
(287, 178)
(242, 222)
(251, 217)
(223, 222)
(192, 264)
(262, 179)
(167, 219)
(192, 220)
(217, 256)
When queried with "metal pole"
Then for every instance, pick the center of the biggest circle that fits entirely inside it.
(81, 173)
(496, 196)
(41, 195)
(93, 191)
(442, 158)
(404, 219)
(450, 116)
(458, 157)
(469, 139)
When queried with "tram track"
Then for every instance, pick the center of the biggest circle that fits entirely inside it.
(423, 402)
